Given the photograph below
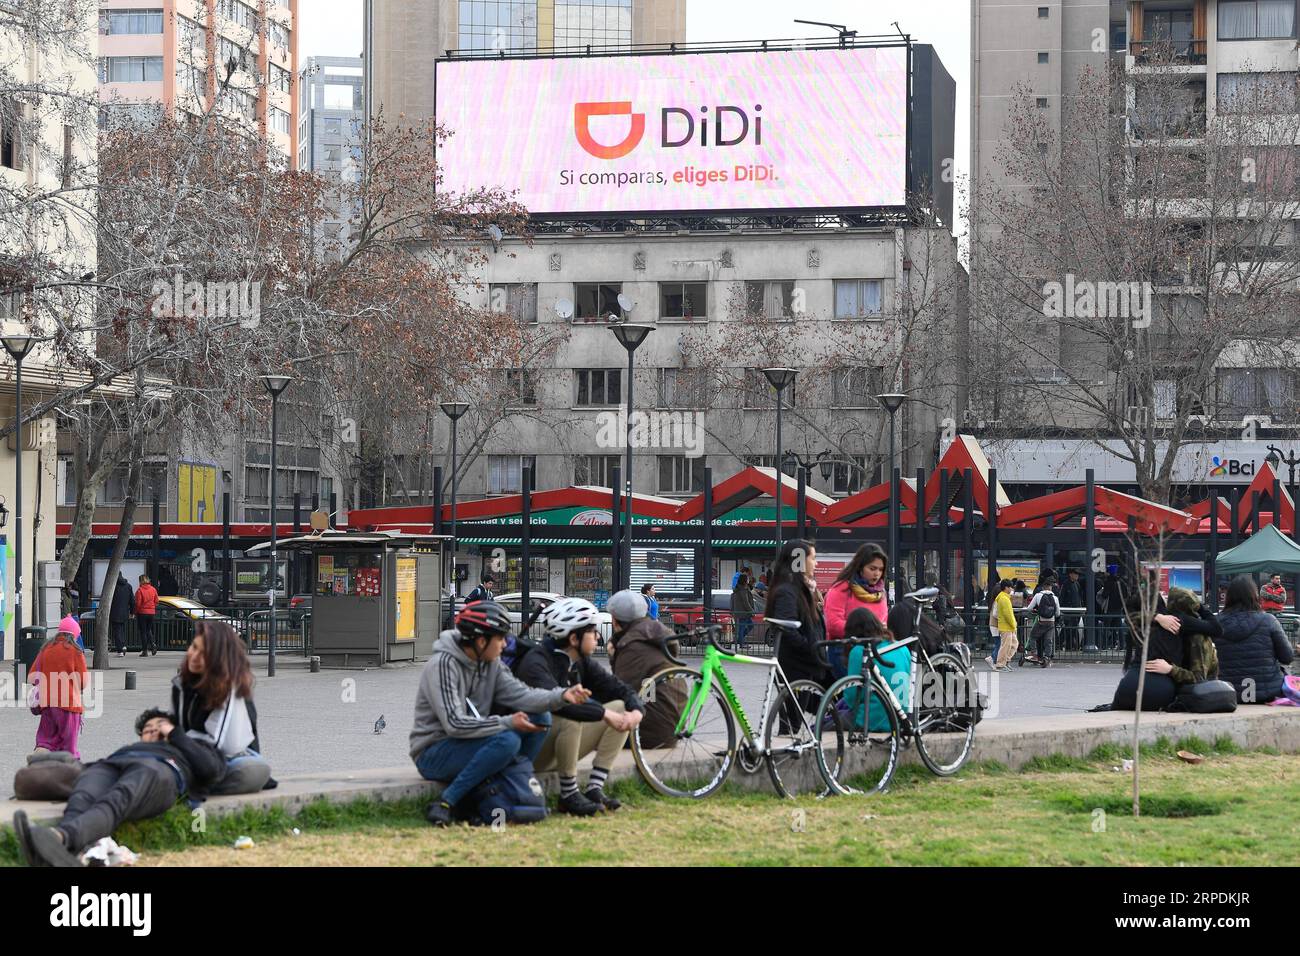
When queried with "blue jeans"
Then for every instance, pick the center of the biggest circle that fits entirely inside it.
(467, 762)
(743, 626)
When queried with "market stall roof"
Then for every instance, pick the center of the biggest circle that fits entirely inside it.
(1266, 480)
(1267, 550)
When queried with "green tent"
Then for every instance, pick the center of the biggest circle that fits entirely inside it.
(1268, 550)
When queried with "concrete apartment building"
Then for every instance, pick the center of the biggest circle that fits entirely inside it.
(170, 54)
(1219, 46)
(40, 152)
(404, 37)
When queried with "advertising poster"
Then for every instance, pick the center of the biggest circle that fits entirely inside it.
(325, 574)
(405, 630)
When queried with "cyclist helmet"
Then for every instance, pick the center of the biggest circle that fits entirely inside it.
(566, 616)
(482, 619)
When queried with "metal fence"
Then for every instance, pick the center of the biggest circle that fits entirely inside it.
(174, 632)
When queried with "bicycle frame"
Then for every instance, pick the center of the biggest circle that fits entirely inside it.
(710, 670)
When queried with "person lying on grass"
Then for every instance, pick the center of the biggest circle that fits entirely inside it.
(141, 780)
(456, 739)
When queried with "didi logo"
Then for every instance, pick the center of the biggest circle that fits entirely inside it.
(582, 112)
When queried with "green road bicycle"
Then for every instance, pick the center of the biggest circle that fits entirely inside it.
(687, 743)
(865, 723)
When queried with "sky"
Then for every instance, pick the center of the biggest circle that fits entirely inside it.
(333, 28)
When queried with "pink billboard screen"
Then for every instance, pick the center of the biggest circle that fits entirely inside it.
(706, 132)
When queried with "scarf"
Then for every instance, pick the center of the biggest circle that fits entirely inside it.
(865, 592)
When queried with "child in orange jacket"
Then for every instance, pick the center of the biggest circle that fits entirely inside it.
(59, 674)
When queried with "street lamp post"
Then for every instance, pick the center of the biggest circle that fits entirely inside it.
(892, 402)
(629, 336)
(779, 377)
(454, 411)
(18, 346)
(275, 384)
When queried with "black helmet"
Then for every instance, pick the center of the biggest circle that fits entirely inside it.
(482, 619)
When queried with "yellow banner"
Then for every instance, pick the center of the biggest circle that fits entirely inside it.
(196, 497)
(405, 599)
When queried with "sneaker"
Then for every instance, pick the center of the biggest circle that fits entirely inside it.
(438, 813)
(991, 662)
(49, 850)
(578, 805)
(604, 799)
(23, 831)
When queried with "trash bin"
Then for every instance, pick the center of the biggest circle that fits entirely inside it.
(30, 641)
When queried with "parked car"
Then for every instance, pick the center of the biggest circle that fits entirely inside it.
(512, 601)
(173, 623)
(686, 613)
(299, 607)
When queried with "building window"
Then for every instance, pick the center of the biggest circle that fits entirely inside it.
(520, 386)
(123, 22)
(683, 388)
(595, 470)
(600, 23)
(326, 491)
(1042, 13)
(279, 121)
(849, 479)
(1042, 57)
(1256, 19)
(280, 78)
(498, 25)
(759, 393)
(596, 300)
(680, 475)
(153, 484)
(505, 473)
(857, 298)
(277, 34)
(770, 300)
(856, 387)
(238, 12)
(683, 300)
(597, 386)
(130, 69)
(514, 298)
(1041, 102)
(1274, 392)
(1257, 93)
(11, 150)
(791, 466)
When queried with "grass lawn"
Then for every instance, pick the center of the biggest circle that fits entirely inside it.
(1229, 810)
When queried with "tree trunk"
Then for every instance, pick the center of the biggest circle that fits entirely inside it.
(114, 566)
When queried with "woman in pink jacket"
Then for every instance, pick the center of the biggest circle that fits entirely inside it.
(860, 584)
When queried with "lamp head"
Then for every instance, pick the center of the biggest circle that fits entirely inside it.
(630, 336)
(454, 410)
(780, 377)
(18, 345)
(275, 384)
(891, 401)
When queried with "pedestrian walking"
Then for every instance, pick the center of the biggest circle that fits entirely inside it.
(1047, 606)
(652, 603)
(146, 607)
(1005, 617)
(58, 676)
(484, 590)
(119, 613)
(1072, 596)
(742, 607)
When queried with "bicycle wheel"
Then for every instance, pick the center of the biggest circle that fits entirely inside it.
(945, 722)
(789, 738)
(858, 744)
(692, 763)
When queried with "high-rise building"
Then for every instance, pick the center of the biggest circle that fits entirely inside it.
(175, 55)
(404, 37)
(330, 106)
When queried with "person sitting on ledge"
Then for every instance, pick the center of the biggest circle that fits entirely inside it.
(1171, 659)
(141, 780)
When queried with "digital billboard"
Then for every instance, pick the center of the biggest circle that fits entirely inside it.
(699, 132)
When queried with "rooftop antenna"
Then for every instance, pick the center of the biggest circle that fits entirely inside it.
(899, 29)
(845, 32)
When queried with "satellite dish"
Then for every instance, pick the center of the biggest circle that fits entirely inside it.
(495, 232)
(564, 308)
(624, 303)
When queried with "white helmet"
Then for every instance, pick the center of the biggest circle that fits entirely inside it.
(567, 615)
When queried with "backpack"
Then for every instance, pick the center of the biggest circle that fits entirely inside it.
(1205, 697)
(1044, 606)
(511, 795)
(515, 651)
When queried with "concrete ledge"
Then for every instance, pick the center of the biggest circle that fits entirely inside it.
(1011, 741)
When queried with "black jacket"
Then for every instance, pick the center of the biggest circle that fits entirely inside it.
(1072, 594)
(1252, 646)
(192, 715)
(798, 654)
(1163, 646)
(119, 611)
(197, 760)
(547, 667)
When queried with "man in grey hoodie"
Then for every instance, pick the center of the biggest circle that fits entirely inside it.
(456, 738)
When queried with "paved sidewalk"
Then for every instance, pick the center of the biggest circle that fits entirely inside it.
(324, 722)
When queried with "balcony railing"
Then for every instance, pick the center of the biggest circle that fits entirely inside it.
(1191, 52)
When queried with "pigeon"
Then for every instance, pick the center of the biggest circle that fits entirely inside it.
(380, 724)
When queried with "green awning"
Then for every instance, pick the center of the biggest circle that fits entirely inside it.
(1267, 550)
